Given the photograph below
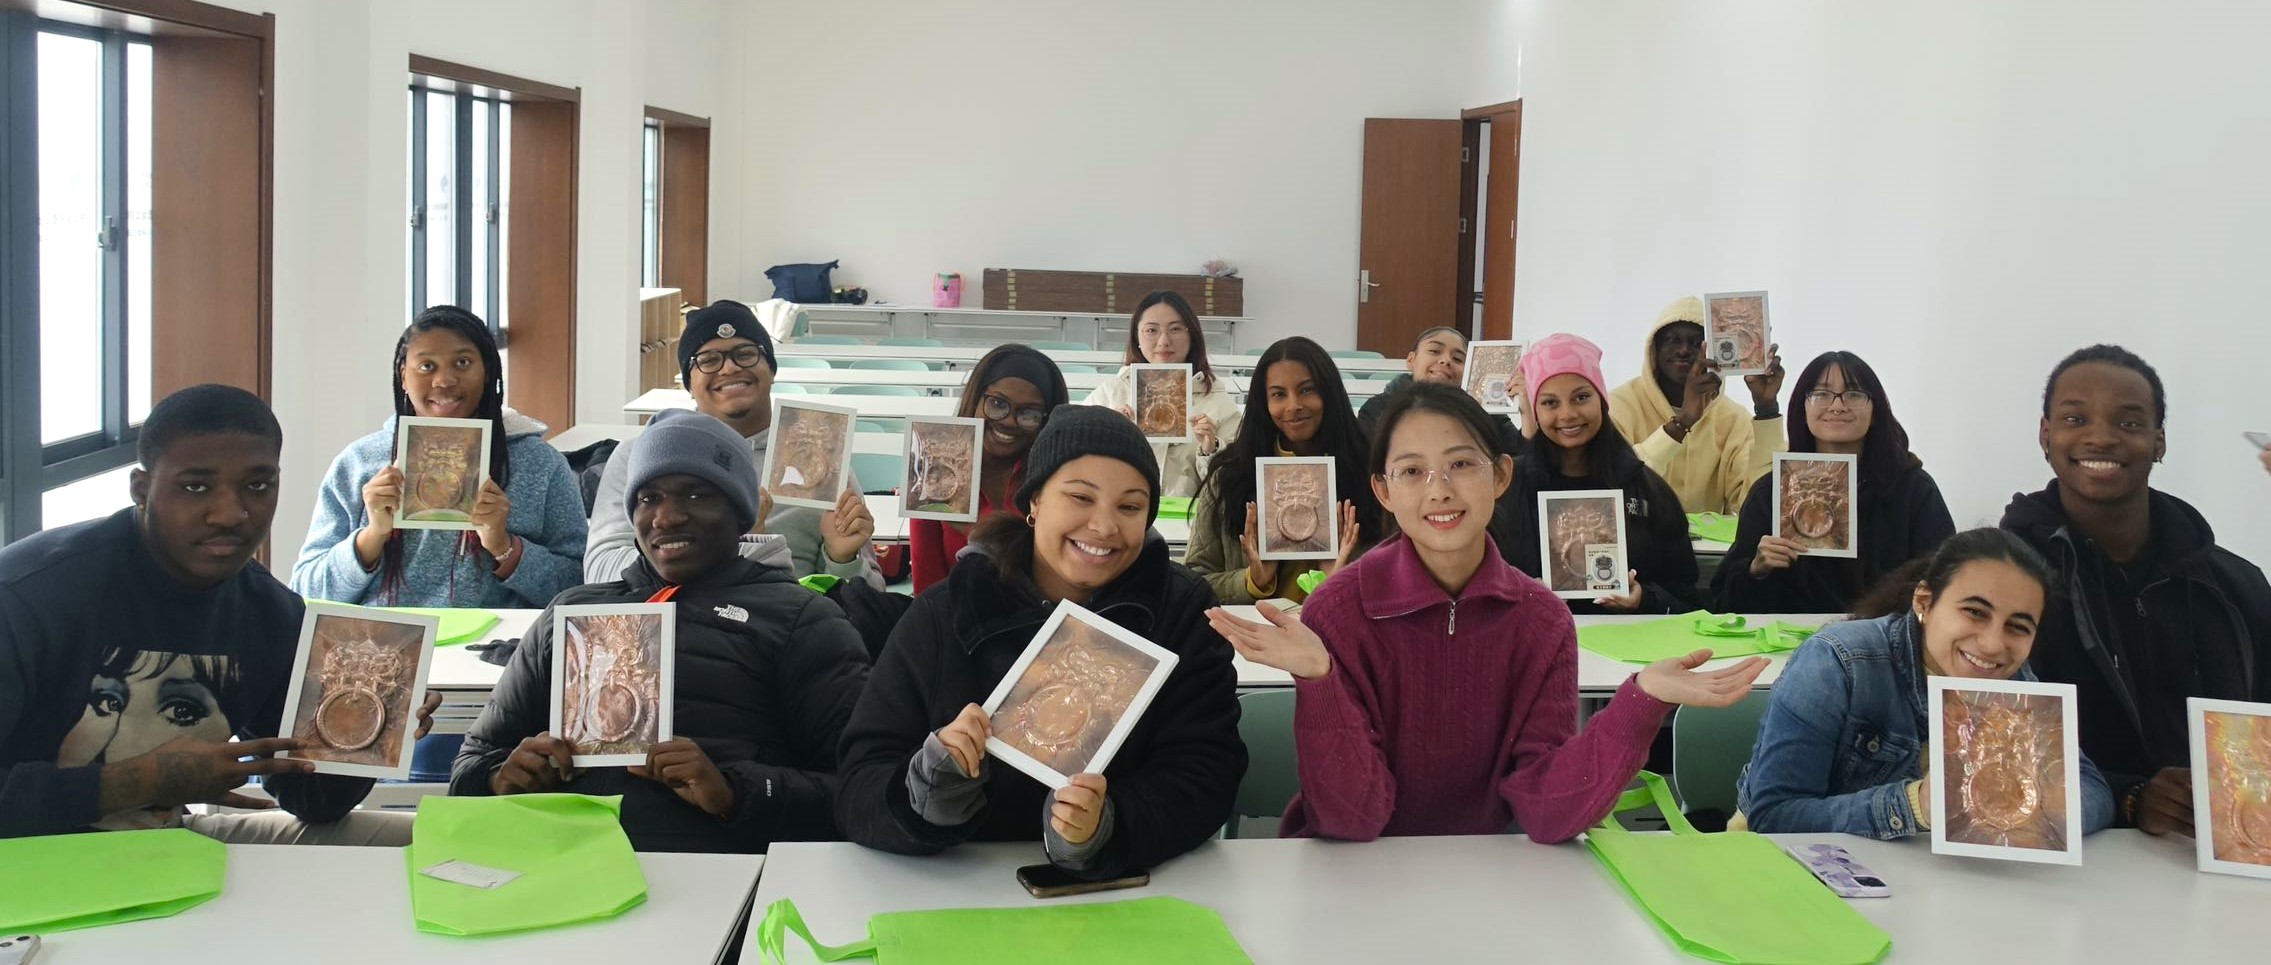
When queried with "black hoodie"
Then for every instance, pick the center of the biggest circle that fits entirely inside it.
(1902, 520)
(2185, 619)
(1655, 527)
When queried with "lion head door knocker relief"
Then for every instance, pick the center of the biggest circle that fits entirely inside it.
(2002, 783)
(807, 456)
(444, 468)
(2239, 756)
(1579, 528)
(1814, 501)
(1297, 506)
(617, 681)
(359, 676)
(1080, 691)
(942, 468)
(1161, 405)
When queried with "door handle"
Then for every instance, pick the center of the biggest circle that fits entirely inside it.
(1365, 285)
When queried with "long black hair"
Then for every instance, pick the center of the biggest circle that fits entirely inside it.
(1200, 368)
(468, 326)
(1461, 408)
(1884, 450)
(1897, 590)
(1229, 478)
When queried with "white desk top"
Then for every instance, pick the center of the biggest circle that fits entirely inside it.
(963, 355)
(869, 406)
(878, 308)
(1467, 899)
(362, 914)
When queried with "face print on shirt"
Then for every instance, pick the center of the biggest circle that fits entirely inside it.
(140, 699)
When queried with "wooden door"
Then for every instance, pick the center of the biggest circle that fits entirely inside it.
(1408, 248)
(540, 283)
(1498, 222)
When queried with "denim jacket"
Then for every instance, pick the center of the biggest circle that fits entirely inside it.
(1845, 732)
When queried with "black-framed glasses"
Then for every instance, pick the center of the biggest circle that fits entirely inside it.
(1853, 398)
(998, 408)
(746, 356)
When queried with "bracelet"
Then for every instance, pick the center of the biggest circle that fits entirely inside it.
(1765, 412)
(1678, 426)
(509, 553)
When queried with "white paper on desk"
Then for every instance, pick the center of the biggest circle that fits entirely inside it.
(470, 874)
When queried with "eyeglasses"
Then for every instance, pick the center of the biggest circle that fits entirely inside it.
(745, 356)
(1419, 477)
(1853, 398)
(1150, 332)
(1028, 416)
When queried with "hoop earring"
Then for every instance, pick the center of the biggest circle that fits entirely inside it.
(1029, 521)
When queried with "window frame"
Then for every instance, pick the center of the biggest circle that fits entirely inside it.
(462, 224)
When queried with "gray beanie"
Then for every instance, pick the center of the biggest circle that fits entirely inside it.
(1074, 431)
(686, 442)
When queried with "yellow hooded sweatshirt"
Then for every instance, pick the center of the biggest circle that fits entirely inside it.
(1713, 469)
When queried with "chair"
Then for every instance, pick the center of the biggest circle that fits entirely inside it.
(1710, 746)
(1382, 376)
(1265, 723)
(1354, 353)
(803, 362)
(892, 365)
(878, 472)
(829, 340)
(1071, 367)
(880, 425)
(791, 388)
(1063, 346)
(876, 390)
(910, 342)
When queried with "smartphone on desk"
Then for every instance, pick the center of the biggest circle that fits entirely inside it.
(1836, 868)
(18, 949)
(1050, 881)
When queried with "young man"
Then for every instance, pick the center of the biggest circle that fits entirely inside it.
(1702, 443)
(133, 648)
(2153, 610)
(767, 671)
(1439, 356)
(726, 360)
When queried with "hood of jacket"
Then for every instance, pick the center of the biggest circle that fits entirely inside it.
(986, 605)
(640, 577)
(2181, 538)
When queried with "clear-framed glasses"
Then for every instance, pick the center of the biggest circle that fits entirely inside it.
(998, 408)
(1853, 398)
(1413, 476)
(746, 356)
(1153, 333)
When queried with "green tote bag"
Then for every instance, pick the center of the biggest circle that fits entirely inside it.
(575, 863)
(1678, 636)
(1732, 897)
(59, 882)
(1145, 931)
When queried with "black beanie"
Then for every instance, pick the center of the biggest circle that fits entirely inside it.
(1074, 431)
(724, 318)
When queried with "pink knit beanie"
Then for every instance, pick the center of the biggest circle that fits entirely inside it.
(1559, 355)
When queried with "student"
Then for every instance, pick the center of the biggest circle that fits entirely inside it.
(1436, 687)
(916, 777)
(1164, 331)
(1902, 516)
(2154, 611)
(527, 543)
(1571, 451)
(1674, 415)
(1296, 406)
(98, 732)
(725, 358)
(1438, 356)
(1842, 748)
(1014, 388)
(766, 670)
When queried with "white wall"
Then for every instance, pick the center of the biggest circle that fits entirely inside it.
(907, 137)
(1962, 192)
(341, 198)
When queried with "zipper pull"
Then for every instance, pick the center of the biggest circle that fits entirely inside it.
(1454, 619)
(2140, 606)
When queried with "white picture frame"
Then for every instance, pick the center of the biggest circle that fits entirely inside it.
(1753, 362)
(1265, 505)
(406, 429)
(910, 486)
(1141, 372)
(774, 446)
(2205, 774)
(1487, 361)
(665, 617)
(1849, 517)
(320, 613)
(1161, 663)
(1552, 574)
(1936, 691)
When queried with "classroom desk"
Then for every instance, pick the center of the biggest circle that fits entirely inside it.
(353, 905)
(584, 434)
(1505, 898)
(1597, 676)
(869, 406)
(962, 357)
(1079, 384)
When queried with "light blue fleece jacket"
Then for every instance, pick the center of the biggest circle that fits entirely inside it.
(547, 514)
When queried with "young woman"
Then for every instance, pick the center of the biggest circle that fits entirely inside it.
(1436, 686)
(1573, 446)
(1013, 388)
(1901, 513)
(1296, 406)
(527, 541)
(1842, 748)
(1164, 331)
(915, 777)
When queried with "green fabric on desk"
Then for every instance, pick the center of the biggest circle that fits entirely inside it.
(1175, 507)
(1716, 527)
(574, 861)
(458, 625)
(1678, 636)
(1144, 931)
(59, 882)
(1732, 897)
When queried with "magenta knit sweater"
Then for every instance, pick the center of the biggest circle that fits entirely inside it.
(1445, 716)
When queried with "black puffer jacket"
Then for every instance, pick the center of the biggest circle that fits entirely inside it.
(1655, 528)
(767, 673)
(1171, 784)
(2210, 617)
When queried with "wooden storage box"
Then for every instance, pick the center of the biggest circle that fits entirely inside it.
(659, 325)
(1106, 292)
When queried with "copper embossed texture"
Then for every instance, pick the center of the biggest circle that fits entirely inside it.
(1574, 528)
(2005, 769)
(2238, 785)
(1299, 522)
(1817, 503)
(612, 689)
(355, 701)
(812, 454)
(1738, 332)
(939, 474)
(1162, 401)
(444, 473)
(1494, 375)
(1071, 696)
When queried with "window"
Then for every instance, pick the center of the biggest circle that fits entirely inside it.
(460, 156)
(674, 223)
(650, 204)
